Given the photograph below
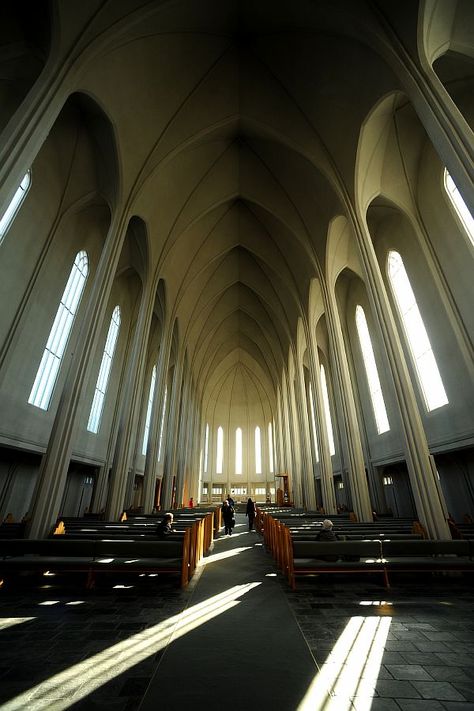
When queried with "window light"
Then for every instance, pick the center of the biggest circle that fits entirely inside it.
(258, 451)
(162, 425)
(327, 411)
(459, 205)
(420, 347)
(151, 392)
(104, 373)
(270, 447)
(238, 450)
(375, 389)
(40, 395)
(206, 448)
(220, 450)
(313, 424)
(15, 204)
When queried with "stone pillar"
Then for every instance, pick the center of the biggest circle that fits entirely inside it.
(325, 463)
(429, 501)
(151, 461)
(172, 437)
(348, 422)
(130, 406)
(55, 462)
(307, 473)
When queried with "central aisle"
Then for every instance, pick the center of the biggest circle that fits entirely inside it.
(238, 644)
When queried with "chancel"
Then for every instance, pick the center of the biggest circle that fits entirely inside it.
(236, 261)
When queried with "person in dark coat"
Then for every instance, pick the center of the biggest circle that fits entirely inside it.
(165, 527)
(228, 516)
(326, 533)
(250, 512)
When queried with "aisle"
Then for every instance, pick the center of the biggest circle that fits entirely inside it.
(235, 639)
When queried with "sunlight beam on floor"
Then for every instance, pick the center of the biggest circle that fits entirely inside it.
(71, 685)
(6, 622)
(351, 669)
(226, 554)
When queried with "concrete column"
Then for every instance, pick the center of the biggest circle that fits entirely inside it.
(429, 500)
(293, 444)
(325, 463)
(175, 425)
(130, 406)
(307, 473)
(55, 462)
(151, 461)
(348, 422)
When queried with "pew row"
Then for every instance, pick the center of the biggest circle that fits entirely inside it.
(174, 556)
(384, 557)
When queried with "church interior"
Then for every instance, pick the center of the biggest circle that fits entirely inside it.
(236, 258)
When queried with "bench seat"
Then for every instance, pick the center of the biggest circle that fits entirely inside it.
(97, 556)
(382, 556)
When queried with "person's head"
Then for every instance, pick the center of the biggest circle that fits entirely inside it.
(327, 524)
(168, 517)
(225, 502)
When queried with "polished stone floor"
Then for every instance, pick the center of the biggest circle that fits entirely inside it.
(335, 644)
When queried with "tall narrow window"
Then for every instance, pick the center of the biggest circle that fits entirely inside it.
(327, 411)
(9, 215)
(459, 205)
(426, 367)
(238, 450)
(220, 450)
(151, 392)
(375, 389)
(104, 373)
(162, 424)
(270, 447)
(258, 451)
(48, 370)
(313, 424)
(206, 448)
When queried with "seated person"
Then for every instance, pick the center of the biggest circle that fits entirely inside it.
(327, 534)
(165, 527)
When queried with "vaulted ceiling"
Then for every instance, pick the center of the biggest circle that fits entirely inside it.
(236, 126)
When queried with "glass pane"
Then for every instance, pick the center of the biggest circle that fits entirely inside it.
(47, 374)
(104, 372)
(327, 411)
(419, 344)
(375, 389)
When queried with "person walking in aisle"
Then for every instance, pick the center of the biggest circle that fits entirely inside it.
(228, 516)
(250, 512)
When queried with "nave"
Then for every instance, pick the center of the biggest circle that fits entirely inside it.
(238, 636)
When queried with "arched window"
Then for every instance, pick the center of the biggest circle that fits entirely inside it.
(162, 424)
(460, 207)
(375, 389)
(104, 373)
(40, 395)
(206, 448)
(327, 411)
(15, 204)
(258, 451)
(151, 392)
(238, 450)
(313, 424)
(220, 450)
(270, 447)
(426, 367)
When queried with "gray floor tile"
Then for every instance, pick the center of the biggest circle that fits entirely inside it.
(408, 672)
(438, 690)
(396, 689)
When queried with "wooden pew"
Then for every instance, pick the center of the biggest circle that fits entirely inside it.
(174, 557)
